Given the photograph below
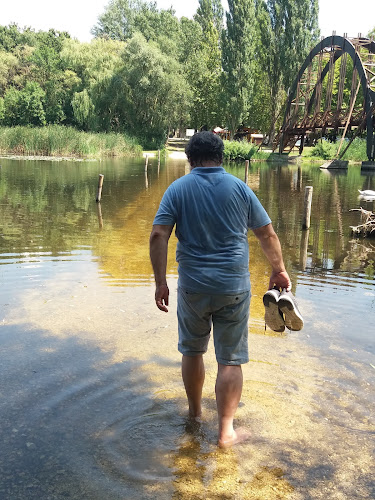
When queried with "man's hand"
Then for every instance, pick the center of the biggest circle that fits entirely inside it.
(162, 297)
(280, 280)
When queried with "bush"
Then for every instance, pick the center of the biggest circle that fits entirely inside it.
(324, 149)
(242, 150)
(328, 151)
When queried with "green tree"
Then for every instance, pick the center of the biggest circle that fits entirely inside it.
(203, 66)
(123, 18)
(8, 68)
(91, 67)
(151, 92)
(371, 34)
(2, 110)
(210, 11)
(83, 109)
(26, 106)
(238, 60)
(289, 36)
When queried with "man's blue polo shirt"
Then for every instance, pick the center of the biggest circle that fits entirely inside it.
(213, 211)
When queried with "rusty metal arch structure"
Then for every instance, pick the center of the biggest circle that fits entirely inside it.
(307, 94)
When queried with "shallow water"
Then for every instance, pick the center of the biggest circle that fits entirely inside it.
(91, 401)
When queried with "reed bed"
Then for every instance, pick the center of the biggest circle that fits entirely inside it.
(57, 140)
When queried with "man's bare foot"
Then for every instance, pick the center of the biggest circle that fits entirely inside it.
(239, 436)
(195, 418)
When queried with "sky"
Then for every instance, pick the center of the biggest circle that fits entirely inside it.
(79, 16)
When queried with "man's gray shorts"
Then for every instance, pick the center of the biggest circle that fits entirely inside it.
(229, 315)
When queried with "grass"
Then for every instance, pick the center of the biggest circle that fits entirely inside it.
(326, 150)
(57, 140)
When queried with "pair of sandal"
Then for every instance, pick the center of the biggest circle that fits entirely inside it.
(281, 311)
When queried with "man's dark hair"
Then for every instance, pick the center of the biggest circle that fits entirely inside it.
(205, 146)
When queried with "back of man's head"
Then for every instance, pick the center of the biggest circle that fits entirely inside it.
(205, 147)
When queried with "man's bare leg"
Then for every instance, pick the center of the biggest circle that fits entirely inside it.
(193, 376)
(228, 394)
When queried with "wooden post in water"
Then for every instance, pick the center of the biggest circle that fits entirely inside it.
(146, 164)
(246, 170)
(100, 217)
(158, 162)
(307, 207)
(100, 188)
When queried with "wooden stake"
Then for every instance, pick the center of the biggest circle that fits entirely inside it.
(307, 207)
(100, 217)
(146, 164)
(246, 170)
(100, 188)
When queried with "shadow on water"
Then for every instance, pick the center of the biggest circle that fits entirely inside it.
(77, 425)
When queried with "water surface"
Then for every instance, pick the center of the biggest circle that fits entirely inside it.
(91, 401)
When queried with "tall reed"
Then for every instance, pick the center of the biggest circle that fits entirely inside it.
(57, 140)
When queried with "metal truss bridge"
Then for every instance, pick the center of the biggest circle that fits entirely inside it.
(334, 92)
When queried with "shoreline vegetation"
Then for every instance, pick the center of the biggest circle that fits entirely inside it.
(67, 143)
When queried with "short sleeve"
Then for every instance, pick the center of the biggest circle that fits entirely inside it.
(258, 217)
(167, 214)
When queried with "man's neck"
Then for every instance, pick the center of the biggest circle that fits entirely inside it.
(206, 163)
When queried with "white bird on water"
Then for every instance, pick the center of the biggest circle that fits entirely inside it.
(368, 193)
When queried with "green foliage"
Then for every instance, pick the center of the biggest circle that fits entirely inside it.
(287, 34)
(148, 71)
(22, 107)
(203, 64)
(242, 150)
(83, 109)
(328, 150)
(54, 140)
(238, 60)
(357, 150)
(153, 94)
(123, 18)
(324, 149)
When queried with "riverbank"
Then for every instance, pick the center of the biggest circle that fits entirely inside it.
(60, 143)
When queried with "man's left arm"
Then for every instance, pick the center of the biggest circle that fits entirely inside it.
(158, 253)
(271, 247)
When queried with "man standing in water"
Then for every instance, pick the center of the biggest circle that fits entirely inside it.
(212, 211)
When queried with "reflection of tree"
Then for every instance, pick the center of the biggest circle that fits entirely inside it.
(51, 205)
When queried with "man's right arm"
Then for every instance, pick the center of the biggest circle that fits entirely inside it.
(271, 247)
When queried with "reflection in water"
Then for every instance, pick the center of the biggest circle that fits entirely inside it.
(92, 405)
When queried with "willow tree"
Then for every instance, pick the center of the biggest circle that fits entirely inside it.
(150, 91)
(238, 61)
(123, 18)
